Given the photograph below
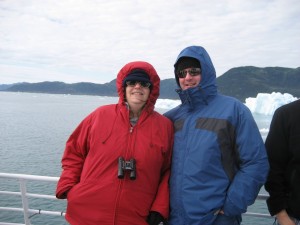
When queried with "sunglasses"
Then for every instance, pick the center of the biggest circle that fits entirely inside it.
(143, 84)
(193, 72)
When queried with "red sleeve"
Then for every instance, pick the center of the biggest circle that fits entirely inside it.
(162, 200)
(73, 158)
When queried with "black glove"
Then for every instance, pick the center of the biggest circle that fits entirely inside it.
(154, 218)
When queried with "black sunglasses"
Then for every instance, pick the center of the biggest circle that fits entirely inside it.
(193, 72)
(132, 83)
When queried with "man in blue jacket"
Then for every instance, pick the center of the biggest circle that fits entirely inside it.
(219, 159)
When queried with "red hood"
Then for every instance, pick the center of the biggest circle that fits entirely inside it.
(154, 78)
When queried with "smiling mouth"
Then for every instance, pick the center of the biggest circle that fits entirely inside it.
(190, 85)
(137, 93)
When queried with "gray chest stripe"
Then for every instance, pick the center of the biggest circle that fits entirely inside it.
(226, 138)
(178, 125)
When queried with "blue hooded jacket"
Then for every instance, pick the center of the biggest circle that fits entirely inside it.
(219, 159)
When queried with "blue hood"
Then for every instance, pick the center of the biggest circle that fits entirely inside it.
(207, 87)
(208, 73)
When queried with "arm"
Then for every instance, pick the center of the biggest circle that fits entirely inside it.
(277, 149)
(73, 159)
(163, 196)
(253, 164)
(161, 202)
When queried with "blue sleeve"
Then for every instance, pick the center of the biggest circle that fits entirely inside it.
(254, 165)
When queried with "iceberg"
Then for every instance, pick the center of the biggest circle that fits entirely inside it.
(263, 103)
(166, 104)
(262, 107)
(266, 104)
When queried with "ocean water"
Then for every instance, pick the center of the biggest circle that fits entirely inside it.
(34, 129)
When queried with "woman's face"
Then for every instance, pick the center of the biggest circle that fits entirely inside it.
(137, 94)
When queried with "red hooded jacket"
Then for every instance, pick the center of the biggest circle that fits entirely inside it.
(96, 196)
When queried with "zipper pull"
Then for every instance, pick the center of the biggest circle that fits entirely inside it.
(131, 129)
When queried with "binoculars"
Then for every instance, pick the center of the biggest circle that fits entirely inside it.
(124, 166)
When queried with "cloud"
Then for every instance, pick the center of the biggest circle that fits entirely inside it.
(90, 40)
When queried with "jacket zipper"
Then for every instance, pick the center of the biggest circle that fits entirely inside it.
(121, 181)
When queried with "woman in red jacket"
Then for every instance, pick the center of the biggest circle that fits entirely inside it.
(116, 163)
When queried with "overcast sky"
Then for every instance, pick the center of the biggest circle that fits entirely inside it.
(91, 40)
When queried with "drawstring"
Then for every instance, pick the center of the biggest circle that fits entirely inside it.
(112, 127)
(204, 94)
(151, 133)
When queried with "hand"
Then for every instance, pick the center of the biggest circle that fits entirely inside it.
(154, 218)
(283, 218)
(219, 211)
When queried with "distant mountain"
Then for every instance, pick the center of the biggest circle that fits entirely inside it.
(244, 82)
(241, 82)
(56, 87)
(5, 86)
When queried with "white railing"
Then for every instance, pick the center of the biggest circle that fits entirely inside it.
(27, 212)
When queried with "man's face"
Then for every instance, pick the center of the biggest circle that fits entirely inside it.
(189, 78)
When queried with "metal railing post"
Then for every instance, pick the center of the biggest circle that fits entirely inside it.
(24, 200)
